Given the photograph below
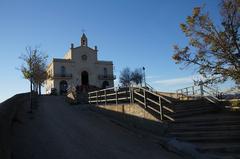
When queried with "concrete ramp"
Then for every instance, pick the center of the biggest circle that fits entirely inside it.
(58, 130)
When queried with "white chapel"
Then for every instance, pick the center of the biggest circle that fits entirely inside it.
(79, 68)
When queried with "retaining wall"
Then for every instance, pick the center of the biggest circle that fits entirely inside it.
(135, 116)
(8, 113)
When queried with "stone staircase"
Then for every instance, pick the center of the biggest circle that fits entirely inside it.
(203, 122)
(186, 108)
(211, 127)
(206, 123)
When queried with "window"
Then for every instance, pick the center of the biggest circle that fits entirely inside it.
(84, 57)
(105, 72)
(63, 71)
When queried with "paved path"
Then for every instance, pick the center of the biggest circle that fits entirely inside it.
(59, 131)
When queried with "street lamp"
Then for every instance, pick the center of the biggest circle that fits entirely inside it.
(144, 77)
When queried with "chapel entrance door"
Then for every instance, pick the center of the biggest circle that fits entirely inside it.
(85, 80)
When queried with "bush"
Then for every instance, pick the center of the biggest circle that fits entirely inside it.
(235, 103)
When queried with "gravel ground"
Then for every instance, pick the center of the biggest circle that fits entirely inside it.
(57, 130)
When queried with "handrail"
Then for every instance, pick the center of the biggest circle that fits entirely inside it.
(149, 86)
(198, 91)
(156, 94)
(212, 89)
(212, 96)
(102, 90)
(131, 95)
(184, 88)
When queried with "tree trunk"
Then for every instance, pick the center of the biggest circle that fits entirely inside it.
(39, 89)
(35, 88)
(31, 86)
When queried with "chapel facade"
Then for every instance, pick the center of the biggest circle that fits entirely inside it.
(80, 68)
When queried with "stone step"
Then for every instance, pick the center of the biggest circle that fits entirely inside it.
(211, 117)
(222, 114)
(183, 110)
(211, 128)
(224, 148)
(191, 113)
(182, 107)
(210, 139)
(202, 126)
(233, 134)
(202, 119)
(194, 101)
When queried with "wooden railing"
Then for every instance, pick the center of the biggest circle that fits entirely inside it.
(204, 91)
(188, 92)
(110, 95)
(156, 103)
(153, 101)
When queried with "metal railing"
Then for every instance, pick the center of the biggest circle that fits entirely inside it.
(149, 87)
(200, 91)
(148, 99)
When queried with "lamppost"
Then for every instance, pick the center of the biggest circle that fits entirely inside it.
(144, 77)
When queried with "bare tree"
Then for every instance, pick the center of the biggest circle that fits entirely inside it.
(137, 76)
(125, 77)
(213, 50)
(34, 67)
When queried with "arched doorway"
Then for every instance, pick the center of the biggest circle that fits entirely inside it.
(84, 78)
(105, 84)
(63, 87)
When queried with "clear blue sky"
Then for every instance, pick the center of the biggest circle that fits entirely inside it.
(132, 33)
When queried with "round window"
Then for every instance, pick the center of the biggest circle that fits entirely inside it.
(84, 57)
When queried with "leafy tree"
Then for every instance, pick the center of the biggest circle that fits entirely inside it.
(137, 76)
(34, 67)
(125, 77)
(213, 49)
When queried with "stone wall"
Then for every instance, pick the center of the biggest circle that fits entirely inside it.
(134, 116)
(9, 110)
(130, 109)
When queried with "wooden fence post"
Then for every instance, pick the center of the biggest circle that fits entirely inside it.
(89, 98)
(105, 95)
(181, 94)
(116, 97)
(97, 97)
(145, 101)
(130, 95)
(160, 108)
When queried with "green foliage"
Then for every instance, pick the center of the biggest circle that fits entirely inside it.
(213, 50)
